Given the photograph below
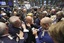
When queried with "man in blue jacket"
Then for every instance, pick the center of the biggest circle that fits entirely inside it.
(43, 36)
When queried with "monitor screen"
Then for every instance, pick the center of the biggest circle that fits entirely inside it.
(2, 3)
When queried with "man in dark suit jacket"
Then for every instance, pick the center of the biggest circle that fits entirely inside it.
(29, 25)
(5, 37)
(15, 27)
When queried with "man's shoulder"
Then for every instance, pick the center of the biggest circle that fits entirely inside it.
(5, 39)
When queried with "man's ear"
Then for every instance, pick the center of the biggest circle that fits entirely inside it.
(7, 28)
(47, 25)
(6, 23)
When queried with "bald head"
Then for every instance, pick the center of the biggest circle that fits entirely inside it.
(24, 10)
(53, 10)
(2, 28)
(29, 19)
(44, 12)
(45, 22)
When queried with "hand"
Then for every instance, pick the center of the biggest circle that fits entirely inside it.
(28, 25)
(23, 25)
(35, 32)
(20, 35)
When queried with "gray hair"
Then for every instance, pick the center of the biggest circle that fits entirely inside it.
(2, 28)
(59, 13)
(13, 19)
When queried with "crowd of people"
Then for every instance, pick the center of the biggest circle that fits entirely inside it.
(36, 25)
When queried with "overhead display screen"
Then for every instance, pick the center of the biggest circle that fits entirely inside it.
(6, 2)
(2, 3)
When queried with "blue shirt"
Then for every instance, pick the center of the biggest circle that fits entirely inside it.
(37, 22)
(0, 16)
(46, 38)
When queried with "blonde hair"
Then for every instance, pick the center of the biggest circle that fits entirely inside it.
(30, 14)
(57, 31)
